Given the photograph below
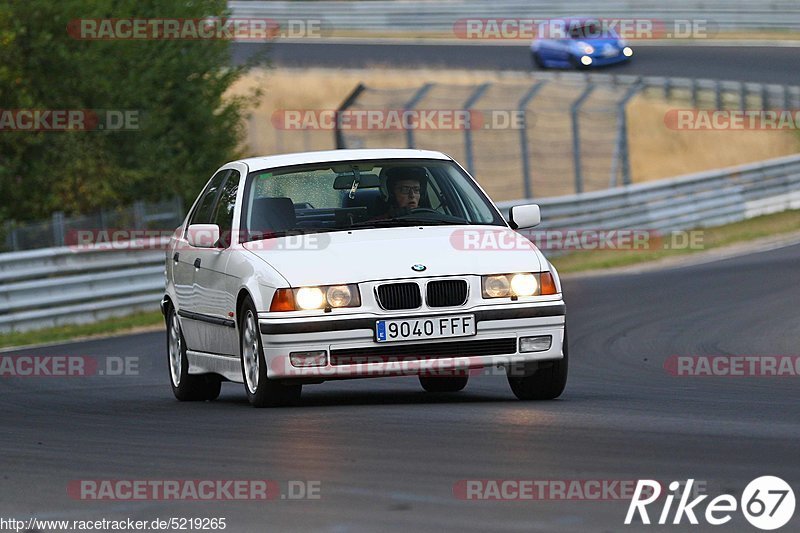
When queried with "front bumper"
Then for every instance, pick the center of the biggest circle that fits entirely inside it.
(598, 60)
(352, 351)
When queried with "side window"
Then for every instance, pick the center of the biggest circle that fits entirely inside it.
(223, 213)
(202, 213)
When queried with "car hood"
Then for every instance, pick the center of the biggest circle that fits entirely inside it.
(599, 42)
(389, 253)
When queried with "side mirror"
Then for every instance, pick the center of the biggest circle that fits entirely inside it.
(524, 216)
(203, 235)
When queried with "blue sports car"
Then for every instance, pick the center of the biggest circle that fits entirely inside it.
(584, 44)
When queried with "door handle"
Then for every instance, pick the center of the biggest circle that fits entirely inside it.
(197, 263)
(176, 256)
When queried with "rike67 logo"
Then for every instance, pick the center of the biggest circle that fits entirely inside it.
(767, 503)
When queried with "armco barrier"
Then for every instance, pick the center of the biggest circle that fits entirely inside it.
(698, 200)
(56, 286)
(439, 16)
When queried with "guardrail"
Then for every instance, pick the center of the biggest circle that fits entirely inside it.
(51, 287)
(428, 16)
(56, 286)
(694, 201)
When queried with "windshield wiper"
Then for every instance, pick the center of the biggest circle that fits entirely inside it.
(407, 221)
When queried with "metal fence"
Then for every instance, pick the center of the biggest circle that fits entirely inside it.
(165, 215)
(440, 16)
(698, 200)
(57, 286)
(572, 136)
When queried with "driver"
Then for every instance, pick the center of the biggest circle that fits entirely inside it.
(404, 189)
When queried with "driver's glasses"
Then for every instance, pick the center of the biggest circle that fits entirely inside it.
(407, 189)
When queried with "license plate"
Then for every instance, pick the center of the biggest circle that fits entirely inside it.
(409, 329)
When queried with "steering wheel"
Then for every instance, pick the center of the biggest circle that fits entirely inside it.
(417, 210)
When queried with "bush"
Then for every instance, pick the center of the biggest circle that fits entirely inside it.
(186, 127)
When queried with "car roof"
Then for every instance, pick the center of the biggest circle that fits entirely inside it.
(301, 158)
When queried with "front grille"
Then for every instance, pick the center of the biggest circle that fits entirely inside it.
(446, 293)
(429, 350)
(394, 296)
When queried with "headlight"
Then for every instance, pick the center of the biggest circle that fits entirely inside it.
(587, 48)
(339, 295)
(524, 284)
(516, 285)
(627, 51)
(496, 286)
(308, 298)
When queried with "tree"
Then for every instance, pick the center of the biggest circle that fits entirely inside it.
(186, 126)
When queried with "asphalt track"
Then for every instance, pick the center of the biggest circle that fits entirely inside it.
(387, 455)
(765, 64)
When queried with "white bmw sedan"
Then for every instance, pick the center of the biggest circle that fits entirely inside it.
(302, 268)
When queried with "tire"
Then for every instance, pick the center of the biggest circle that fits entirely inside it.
(443, 383)
(537, 61)
(186, 387)
(261, 391)
(544, 383)
(577, 65)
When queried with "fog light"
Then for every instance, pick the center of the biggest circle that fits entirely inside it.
(535, 344)
(303, 359)
(627, 52)
(586, 60)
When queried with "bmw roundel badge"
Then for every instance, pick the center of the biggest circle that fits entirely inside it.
(418, 268)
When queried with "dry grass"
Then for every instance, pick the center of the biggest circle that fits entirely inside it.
(656, 151)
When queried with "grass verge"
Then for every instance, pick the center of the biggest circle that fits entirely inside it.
(747, 230)
(123, 324)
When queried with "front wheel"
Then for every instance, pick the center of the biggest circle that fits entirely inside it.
(261, 391)
(545, 383)
(536, 59)
(186, 387)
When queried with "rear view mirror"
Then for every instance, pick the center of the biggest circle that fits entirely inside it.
(524, 216)
(365, 181)
(203, 235)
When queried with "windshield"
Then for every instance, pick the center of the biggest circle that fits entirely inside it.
(362, 194)
(592, 30)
